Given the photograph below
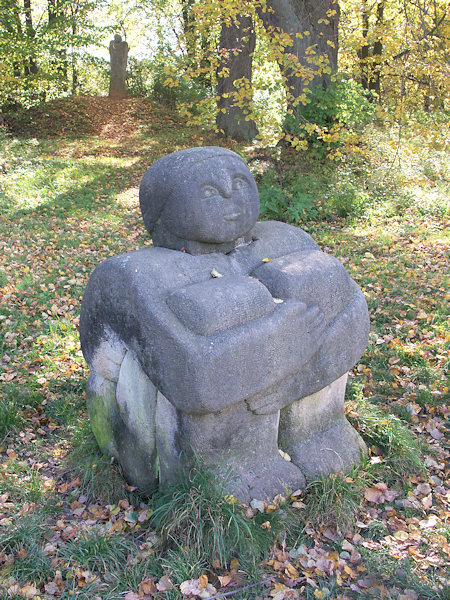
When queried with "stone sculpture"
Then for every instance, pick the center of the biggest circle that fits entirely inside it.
(118, 52)
(230, 339)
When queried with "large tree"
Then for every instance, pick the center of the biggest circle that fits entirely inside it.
(303, 36)
(234, 79)
(309, 53)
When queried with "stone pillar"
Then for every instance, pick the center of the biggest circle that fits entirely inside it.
(118, 51)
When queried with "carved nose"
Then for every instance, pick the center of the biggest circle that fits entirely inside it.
(225, 183)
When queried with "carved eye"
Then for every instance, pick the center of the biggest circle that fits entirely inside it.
(209, 191)
(239, 183)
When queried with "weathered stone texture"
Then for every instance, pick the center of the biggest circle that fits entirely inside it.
(197, 351)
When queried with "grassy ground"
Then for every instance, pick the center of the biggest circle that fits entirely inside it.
(69, 527)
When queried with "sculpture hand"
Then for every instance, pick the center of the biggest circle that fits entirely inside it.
(312, 331)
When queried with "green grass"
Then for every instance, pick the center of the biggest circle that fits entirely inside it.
(101, 479)
(335, 499)
(401, 449)
(10, 416)
(67, 204)
(197, 515)
(401, 575)
(24, 541)
(97, 549)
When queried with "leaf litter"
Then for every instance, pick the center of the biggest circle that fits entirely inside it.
(48, 259)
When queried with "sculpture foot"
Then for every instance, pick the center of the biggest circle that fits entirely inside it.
(262, 478)
(238, 445)
(331, 451)
(316, 434)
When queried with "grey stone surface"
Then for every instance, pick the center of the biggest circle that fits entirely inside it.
(178, 188)
(213, 306)
(118, 52)
(316, 434)
(136, 399)
(229, 332)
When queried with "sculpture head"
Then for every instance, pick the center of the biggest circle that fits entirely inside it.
(204, 195)
(117, 38)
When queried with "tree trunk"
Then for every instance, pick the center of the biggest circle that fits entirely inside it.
(375, 84)
(31, 67)
(315, 52)
(363, 51)
(237, 44)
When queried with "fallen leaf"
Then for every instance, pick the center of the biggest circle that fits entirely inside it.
(147, 586)
(427, 502)
(51, 589)
(224, 580)
(28, 591)
(164, 584)
(197, 588)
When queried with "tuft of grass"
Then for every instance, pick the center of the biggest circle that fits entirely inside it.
(101, 478)
(24, 540)
(402, 450)
(197, 516)
(98, 550)
(183, 563)
(10, 417)
(334, 499)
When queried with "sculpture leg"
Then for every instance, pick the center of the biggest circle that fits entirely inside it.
(240, 445)
(121, 409)
(316, 434)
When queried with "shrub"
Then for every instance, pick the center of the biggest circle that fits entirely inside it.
(174, 89)
(343, 102)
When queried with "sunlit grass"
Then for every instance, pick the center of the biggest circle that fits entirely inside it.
(68, 204)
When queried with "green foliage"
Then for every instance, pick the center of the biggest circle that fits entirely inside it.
(292, 201)
(173, 90)
(342, 107)
(139, 73)
(40, 49)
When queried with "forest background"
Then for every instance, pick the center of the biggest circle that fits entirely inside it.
(341, 113)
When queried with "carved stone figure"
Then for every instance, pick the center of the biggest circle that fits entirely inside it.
(118, 52)
(230, 339)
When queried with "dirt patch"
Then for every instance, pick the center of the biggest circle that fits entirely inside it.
(90, 115)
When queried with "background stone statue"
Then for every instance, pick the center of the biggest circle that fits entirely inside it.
(118, 51)
(230, 339)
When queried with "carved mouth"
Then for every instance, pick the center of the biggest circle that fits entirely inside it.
(232, 216)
